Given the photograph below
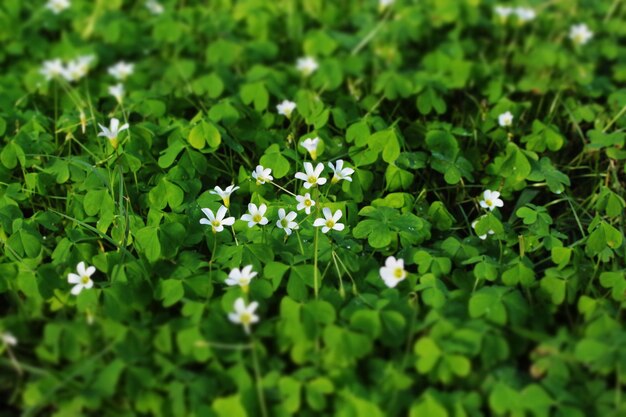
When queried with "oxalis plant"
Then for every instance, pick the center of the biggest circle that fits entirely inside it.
(312, 208)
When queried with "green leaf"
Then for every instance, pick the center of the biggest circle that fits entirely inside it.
(171, 291)
(229, 407)
(428, 354)
(148, 241)
(487, 302)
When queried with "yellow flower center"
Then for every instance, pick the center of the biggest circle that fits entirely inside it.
(84, 279)
(284, 222)
(216, 223)
(245, 317)
(257, 218)
(398, 273)
(330, 223)
(307, 203)
(312, 179)
(489, 202)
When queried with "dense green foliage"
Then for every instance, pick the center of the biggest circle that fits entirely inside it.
(518, 314)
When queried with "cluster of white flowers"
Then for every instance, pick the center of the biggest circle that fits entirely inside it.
(74, 70)
(523, 14)
(579, 33)
(244, 314)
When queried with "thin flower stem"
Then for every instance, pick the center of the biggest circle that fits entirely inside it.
(284, 189)
(342, 291)
(257, 377)
(212, 258)
(315, 277)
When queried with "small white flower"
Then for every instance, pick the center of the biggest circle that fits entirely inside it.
(8, 339)
(305, 202)
(482, 237)
(241, 277)
(525, 14)
(113, 131)
(121, 70)
(224, 194)
(154, 7)
(243, 314)
(383, 4)
(82, 279)
(329, 221)
(286, 108)
(77, 68)
(262, 175)
(117, 91)
(310, 145)
(307, 65)
(255, 215)
(217, 221)
(312, 176)
(503, 12)
(393, 272)
(580, 34)
(52, 68)
(339, 172)
(57, 6)
(286, 221)
(505, 119)
(491, 200)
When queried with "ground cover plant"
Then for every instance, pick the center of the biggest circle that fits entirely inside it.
(313, 208)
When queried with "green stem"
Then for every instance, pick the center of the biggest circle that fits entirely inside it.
(257, 377)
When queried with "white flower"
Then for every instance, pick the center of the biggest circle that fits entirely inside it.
(505, 119)
(525, 14)
(113, 131)
(329, 221)
(482, 237)
(580, 34)
(241, 277)
(393, 272)
(225, 194)
(310, 145)
(383, 4)
(339, 172)
(117, 91)
(154, 7)
(52, 69)
(504, 12)
(8, 339)
(217, 221)
(286, 221)
(491, 200)
(286, 108)
(57, 6)
(82, 279)
(255, 215)
(77, 68)
(262, 175)
(305, 202)
(307, 65)
(243, 314)
(312, 176)
(121, 70)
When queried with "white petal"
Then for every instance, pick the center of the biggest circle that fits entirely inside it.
(319, 222)
(327, 213)
(228, 221)
(90, 271)
(73, 278)
(76, 289)
(221, 212)
(339, 226)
